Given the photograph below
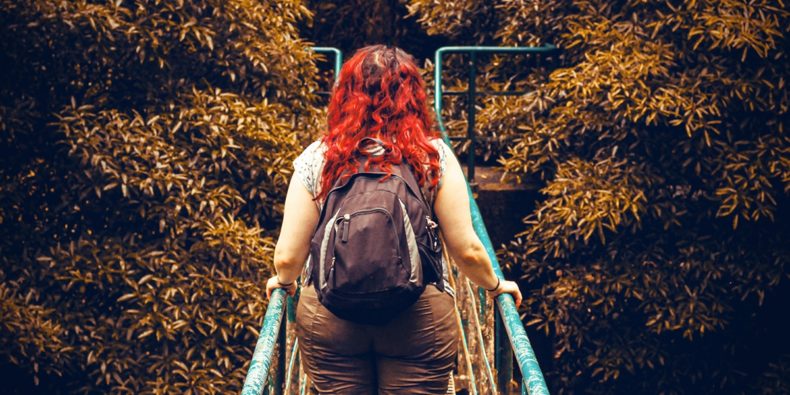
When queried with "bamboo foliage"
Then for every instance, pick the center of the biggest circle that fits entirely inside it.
(147, 149)
(659, 141)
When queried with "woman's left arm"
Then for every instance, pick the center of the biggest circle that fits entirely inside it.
(300, 218)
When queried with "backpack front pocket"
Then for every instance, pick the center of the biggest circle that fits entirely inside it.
(366, 252)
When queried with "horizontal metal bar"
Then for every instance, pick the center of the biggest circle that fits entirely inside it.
(479, 138)
(488, 93)
(546, 48)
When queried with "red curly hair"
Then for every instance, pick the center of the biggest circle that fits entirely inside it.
(379, 93)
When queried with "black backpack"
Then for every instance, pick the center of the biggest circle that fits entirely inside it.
(376, 245)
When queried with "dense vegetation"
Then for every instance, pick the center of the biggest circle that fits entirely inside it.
(661, 144)
(146, 146)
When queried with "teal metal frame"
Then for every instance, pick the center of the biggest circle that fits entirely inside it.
(507, 318)
(258, 372)
(471, 93)
(533, 380)
(333, 51)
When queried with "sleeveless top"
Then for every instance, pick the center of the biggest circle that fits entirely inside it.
(309, 164)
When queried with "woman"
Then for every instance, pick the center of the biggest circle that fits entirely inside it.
(380, 93)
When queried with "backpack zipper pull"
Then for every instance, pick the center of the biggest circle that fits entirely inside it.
(432, 237)
(431, 223)
(344, 233)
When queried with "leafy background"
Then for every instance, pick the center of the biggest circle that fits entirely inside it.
(146, 147)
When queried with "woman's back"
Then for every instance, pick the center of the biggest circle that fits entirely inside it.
(309, 165)
(380, 93)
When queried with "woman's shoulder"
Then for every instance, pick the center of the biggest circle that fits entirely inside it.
(314, 151)
(308, 164)
(315, 146)
(440, 145)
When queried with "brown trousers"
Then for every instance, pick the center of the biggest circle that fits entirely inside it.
(414, 354)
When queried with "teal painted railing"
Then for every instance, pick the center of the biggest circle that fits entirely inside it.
(338, 59)
(507, 322)
(258, 371)
(527, 362)
(472, 93)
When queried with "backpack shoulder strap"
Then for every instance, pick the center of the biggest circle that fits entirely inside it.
(407, 173)
(404, 170)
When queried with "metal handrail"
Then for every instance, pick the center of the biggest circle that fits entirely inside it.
(530, 369)
(258, 372)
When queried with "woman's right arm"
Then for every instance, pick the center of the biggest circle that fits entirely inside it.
(455, 221)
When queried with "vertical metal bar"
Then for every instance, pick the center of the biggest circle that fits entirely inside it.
(477, 329)
(437, 92)
(279, 378)
(290, 308)
(481, 296)
(470, 108)
(503, 358)
(293, 362)
(338, 64)
(465, 345)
